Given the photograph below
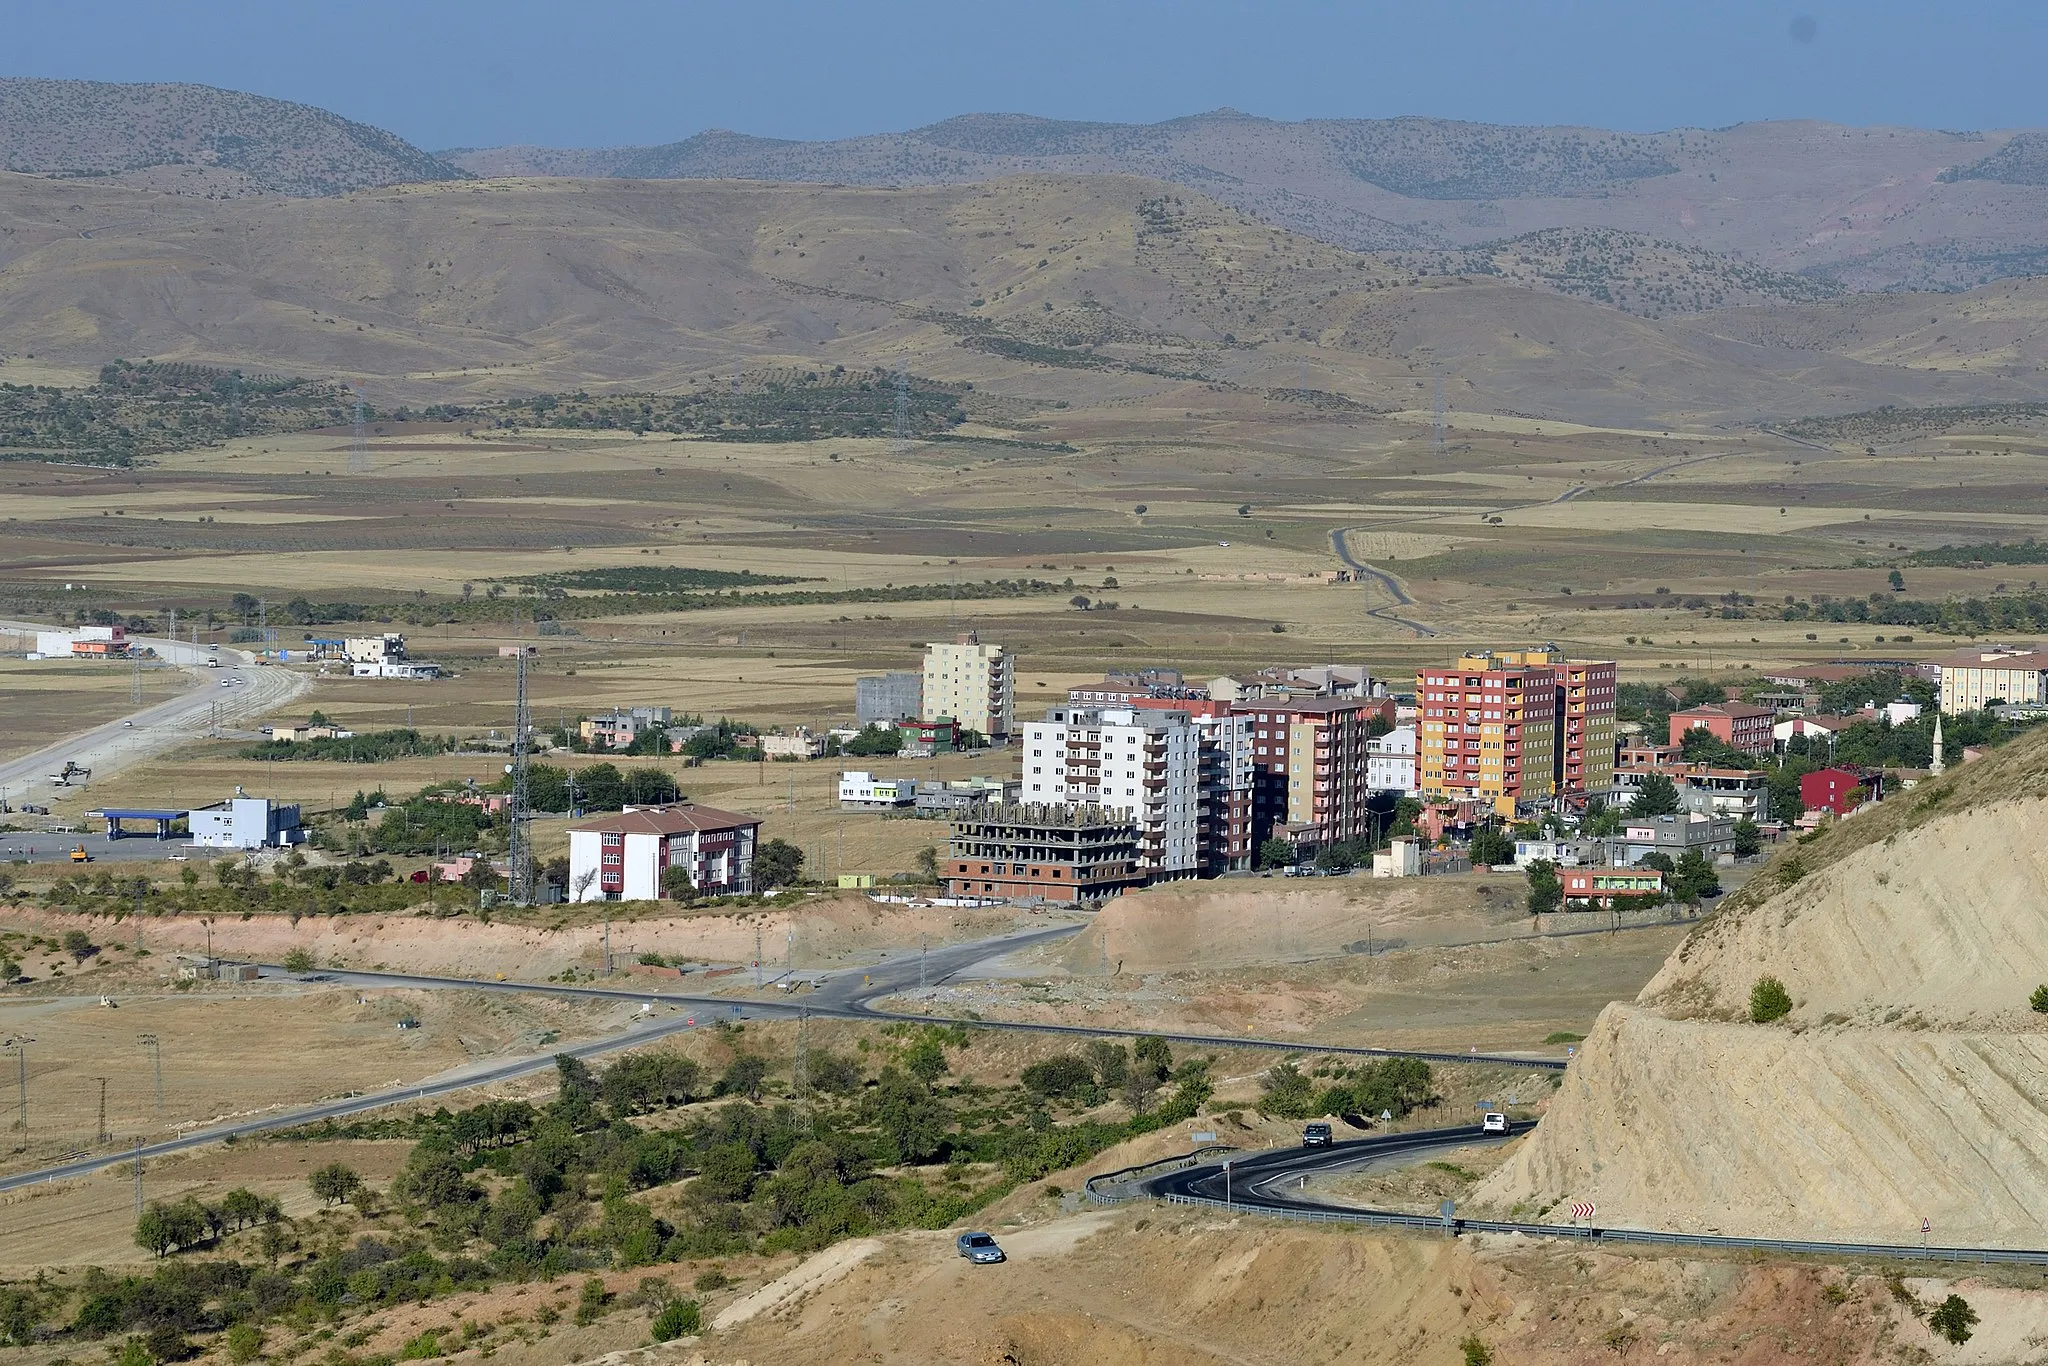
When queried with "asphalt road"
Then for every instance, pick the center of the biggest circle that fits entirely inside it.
(1383, 579)
(250, 691)
(1262, 1180)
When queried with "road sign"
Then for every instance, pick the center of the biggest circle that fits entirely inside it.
(1204, 1136)
(1581, 1209)
(1446, 1210)
(1386, 1116)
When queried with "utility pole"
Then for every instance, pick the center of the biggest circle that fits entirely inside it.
(800, 1071)
(924, 944)
(19, 1043)
(138, 1178)
(757, 955)
(607, 948)
(156, 1053)
(100, 1134)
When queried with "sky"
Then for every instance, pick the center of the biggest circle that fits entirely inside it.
(451, 73)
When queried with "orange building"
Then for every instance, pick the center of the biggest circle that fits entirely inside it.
(1488, 729)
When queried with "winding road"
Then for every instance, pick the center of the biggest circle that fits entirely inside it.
(1383, 579)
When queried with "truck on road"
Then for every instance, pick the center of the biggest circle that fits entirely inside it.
(72, 769)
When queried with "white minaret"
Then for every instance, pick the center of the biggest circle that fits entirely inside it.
(1939, 766)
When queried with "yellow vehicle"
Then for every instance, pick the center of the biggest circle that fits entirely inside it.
(78, 855)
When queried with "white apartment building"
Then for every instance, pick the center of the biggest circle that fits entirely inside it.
(1390, 762)
(860, 790)
(1973, 679)
(1142, 763)
(972, 683)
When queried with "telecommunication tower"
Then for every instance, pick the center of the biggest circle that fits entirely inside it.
(519, 844)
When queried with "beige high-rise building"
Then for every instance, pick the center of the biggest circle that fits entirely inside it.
(973, 683)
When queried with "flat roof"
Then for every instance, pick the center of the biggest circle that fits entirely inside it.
(142, 813)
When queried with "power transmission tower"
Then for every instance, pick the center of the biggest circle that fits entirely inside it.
(100, 1134)
(359, 437)
(519, 844)
(156, 1053)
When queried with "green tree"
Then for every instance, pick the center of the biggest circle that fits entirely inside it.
(1693, 879)
(676, 884)
(1491, 847)
(1897, 581)
(1546, 892)
(1953, 1319)
(1276, 853)
(1657, 796)
(777, 863)
(335, 1183)
(1288, 1094)
(1749, 840)
(79, 945)
(928, 862)
(1768, 1001)
(1155, 1055)
(2039, 1000)
(298, 960)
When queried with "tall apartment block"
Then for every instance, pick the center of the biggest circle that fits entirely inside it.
(1139, 762)
(1488, 728)
(972, 683)
(1308, 759)
(1584, 759)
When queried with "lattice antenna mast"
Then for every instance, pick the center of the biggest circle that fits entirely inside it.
(519, 844)
(359, 437)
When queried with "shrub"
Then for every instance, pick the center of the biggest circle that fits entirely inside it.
(680, 1318)
(1477, 1353)
(298, 960)
(1768, 1001)
(1953, 1318)
(2039, 1000)
(245, 1343)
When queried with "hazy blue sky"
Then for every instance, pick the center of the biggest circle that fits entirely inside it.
(466, 72)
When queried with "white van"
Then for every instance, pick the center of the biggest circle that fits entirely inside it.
(1494, 1123)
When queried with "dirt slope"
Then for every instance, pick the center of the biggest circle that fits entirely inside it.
(1910, 1080)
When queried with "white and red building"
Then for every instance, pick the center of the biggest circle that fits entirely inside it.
(622, 857)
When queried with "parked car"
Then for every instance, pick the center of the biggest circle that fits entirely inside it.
(978, 1248)
(1494, 1123)
(1316, 1135)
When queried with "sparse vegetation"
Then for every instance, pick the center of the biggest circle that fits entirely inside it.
(1768, 1001)
(1953, 1319)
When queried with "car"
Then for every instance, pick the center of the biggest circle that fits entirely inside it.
(127, 723)
(1494, 1123)
(1316, 1135)
(181, 858)
(978, 1248)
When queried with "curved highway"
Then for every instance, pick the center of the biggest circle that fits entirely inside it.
(1383, 579)
(1261, 1180)
(250, 690)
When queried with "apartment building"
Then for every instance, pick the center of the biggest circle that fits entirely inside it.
(1308, 761)
(1056, 850)
(1489, 731)
(1737, 724)
(1391, 762)
(1224, 757)
(1975, 678)
(1142, 764)
(622, 857)
(972, 683)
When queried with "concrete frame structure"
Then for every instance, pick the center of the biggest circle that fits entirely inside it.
(1057, 851)
(1142, 763)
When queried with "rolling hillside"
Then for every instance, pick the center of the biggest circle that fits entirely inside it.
(1856, 208)
(211, 142)
(1084, 284)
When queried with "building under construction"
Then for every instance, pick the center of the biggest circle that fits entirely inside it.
(1053, 851)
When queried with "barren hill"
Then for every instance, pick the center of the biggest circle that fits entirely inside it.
(1910, 1080)
(224, 141)
(1090, 286)
(1863, 208)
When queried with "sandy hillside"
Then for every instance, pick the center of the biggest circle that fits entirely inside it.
(1237, 924)
(1184, 1288)
(1910, 1080)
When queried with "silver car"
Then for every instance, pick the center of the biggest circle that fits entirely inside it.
(978, 1248)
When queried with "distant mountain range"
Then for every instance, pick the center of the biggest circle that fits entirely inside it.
(203, 141)
(1851, 208)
